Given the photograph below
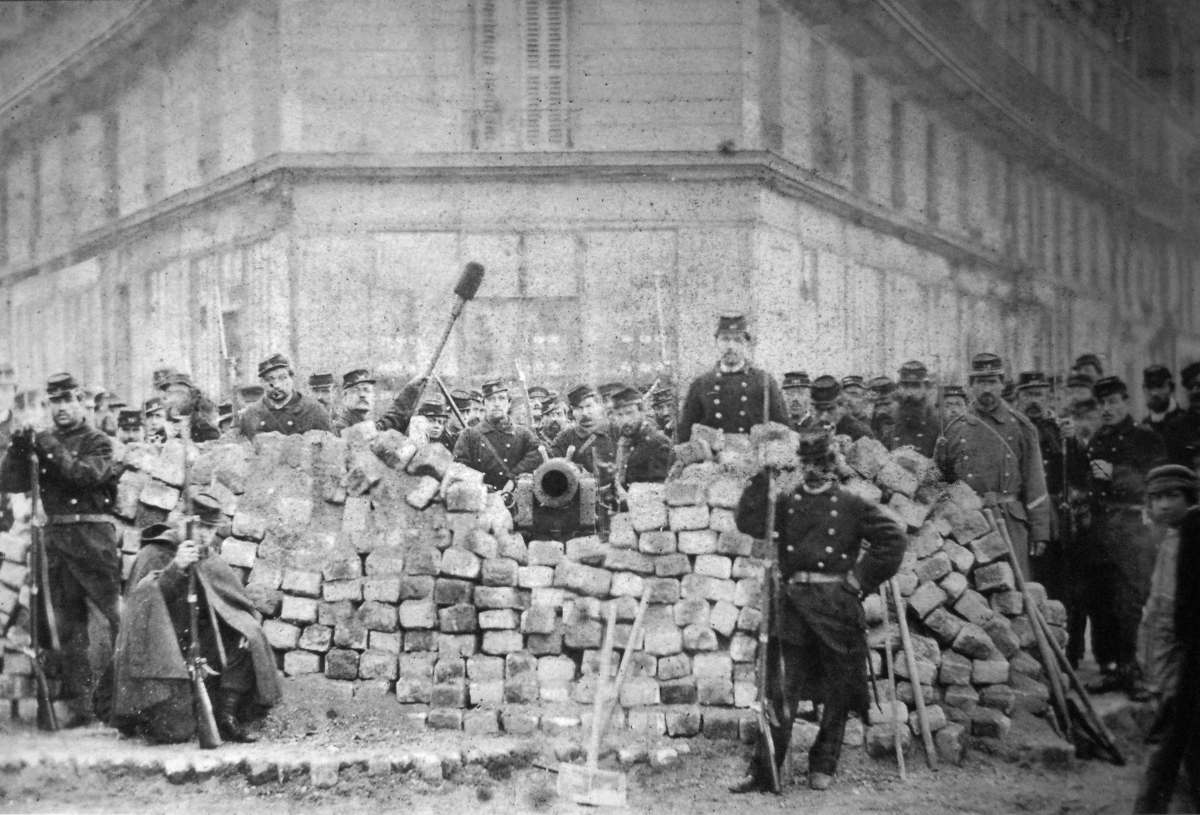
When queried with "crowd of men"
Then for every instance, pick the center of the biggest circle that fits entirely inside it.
(1061, 459)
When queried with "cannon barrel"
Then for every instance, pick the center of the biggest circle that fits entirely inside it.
(556, 482)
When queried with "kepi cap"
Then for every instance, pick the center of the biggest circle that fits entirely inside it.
(494, 386)
(1171, 477)
(796, 379)
(273, 363)
(579, 393)
(322, 380)
(986, 364)
(913, 372)
(356, 377)
(733, 324)
(60, 383)
(1155, 376)
(1108, 386)
(825, 391)
(1027, 380)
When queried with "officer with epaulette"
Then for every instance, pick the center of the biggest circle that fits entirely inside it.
(731, 396)
(1033, 400)
(995, 451)
(825, 570)
(590, 441)
(827, 412)
(1121, 455)
(358, 400)
(857, 399)
(917, 424)
(77, 477)
(883, 413)
(496, 447)
(283, 409)
(797, 397)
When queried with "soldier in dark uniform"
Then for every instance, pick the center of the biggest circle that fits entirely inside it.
(248, 395)
(554, 419)
(954, 403)
(662, 402)
(129, 426)
(321, 388)
(643, 452)
(8, 424)
(1033, 399)
(917, 424)
(1121, 455)
(1078, 426)
(827, 412)
(797, 396)
(1079, 388)
(1088, 365)
(1158, 386)
(187, 405)
(154, 417)
(283, 409)
(78, 486)
(825, 571)
(883, 413)
(358, 399)
(590, 441)
(431, 427)
(496, 447)
(731, 396)
(152, 693)
(995, 451)
(1181, 434)
(857, 399)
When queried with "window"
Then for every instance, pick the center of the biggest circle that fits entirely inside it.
(544, 79)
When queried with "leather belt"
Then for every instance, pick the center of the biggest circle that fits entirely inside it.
(801, 578)
(996, 499)
(81, 518)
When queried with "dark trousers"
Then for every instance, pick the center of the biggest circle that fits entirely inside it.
(1092, 600)
(1050, 569)
(1176, 742)
(80, 588)
(1127, 549)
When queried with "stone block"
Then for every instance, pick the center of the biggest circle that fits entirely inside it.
(685, 493)
(390, 561)
(535, 577)
(545, 553)
(926, 670)
(748, 592)
(350, 634)
(934, 568)
(717, 566)
(639, 691)
(672, 565)
(423, 492)
(302, 610)
(415, 587)
(963, 697)
(994, 577)
(583, 634)
(626, 584)
(1005, 638)
(458, 619)
(499, 619)
(657, 542)
(987, 722)
(954, 584)
(944, 625)
(316, 638)
(663, 589)
(988, 548)
(343, 564)
(911, 513)
(418, 614)
(499, 597)
(647, 507)
(688, 518)
(341, 663)
(392, 641)
(586, 580)
(461, 564)
(896, 478)
(710, 588)
(628, 560)
(282, 636)
(334, 591)
(503, 642)
(973, 642)
(697, 542)
(159, 495)
(723, 618)
(881, 740)
(521, 690)
(456, 645)
(378, 616)
(926, 598)
(867, 455)
(989, 671)
(725, 491)
(973, 608)
(962, 557)
(381, 589)
(699, 638)
(463, 496)
(588, 549)
(965, 525)
(951, 743)
(419, 640)
(734, 544)
(1055, 613)
(519, 722)
(712, 666)
(377, 664)
(335, 613)
(1001, 697)
(451, 591)
(298, 663)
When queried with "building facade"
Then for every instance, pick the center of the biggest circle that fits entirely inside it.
(202, 184)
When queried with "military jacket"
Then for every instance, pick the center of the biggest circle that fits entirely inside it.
(1180, 433)
(822, 530)
(732, 402)
(595, 450)
(1133, 451)
(998, 455)
(913, 428)
(77, 471)
(397, 416)
(298, 415)
(516, 447)
(645, 453)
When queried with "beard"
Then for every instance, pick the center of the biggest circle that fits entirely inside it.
(551, 427)
(1158, 404)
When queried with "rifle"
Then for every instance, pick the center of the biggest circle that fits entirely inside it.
(198, 669)
(766, 741)
(39, 601)
(525, 391)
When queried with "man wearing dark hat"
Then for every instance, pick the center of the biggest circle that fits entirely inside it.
(283, 408)
(429, 425)
(731, 396)
(154, 418)
(856, 399)
(916, 422)
(797, 396)
(1170, 640)
(8, 424)
(662, 403)
(554, 419)
(590, 441)
(1177, 425)
(825, 571)
(1089, 365)
(153, 695)
(995, 451)
(1033, 400)
(358, 399)
(643, 452)
(321, 387)
(189, 407)
(1121, 553)
(828, 412)
(496, 447)
(1078, 427)
(248, 395)
(76, 472)
(129, 426)
(883, 405)
(954, 403)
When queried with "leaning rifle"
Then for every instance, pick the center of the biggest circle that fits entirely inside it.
(39, 601)
(198, 668)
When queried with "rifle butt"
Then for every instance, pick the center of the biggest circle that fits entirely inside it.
(47, 718)
(206, 721)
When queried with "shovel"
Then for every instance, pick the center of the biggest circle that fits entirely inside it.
(589, 785)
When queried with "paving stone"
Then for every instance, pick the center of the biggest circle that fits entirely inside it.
(926, 598)
(341, 663)
(881, 740)
(629, 560)
(972, 641)
(955, 669)
(962, 557)
(994, 577)
(582, 579)
(954, 584)
(989, 547)
(934, 568)
(973, 607)
(498, 571)
(532, 577)
(663, 589)
(449, 591)
(988, 722)
(989, 671)
(297, 663)
(960, 696)
(507, 642)
(316, 638)
(499, 619)
(382, 589)
(657, 542)
(647, 508)
(1005, 638)
(334, 591)
(944, 625)
(951, 744)
(418, 614)
(687, 518)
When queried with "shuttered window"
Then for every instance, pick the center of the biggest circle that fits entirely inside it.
(544, 76)
(486, 125)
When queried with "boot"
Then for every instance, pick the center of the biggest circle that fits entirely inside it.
(227, 723)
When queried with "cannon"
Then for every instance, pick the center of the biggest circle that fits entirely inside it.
(557, 501)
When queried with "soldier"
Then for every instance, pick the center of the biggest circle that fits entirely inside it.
(283, 409)
(643, 453)
(8, 424)
(153, 694)
(995, 451)
(1121, 454)
(590, 439)
(474, 413)
(662, 402)
(497, 448)
(730, 397)
(321, 388)
(606, 392)
(1089, 365)
(1161, 408)
(825, 571)
(856, 399)
(1183, 434)
(797, 396)
(188, 406)
(248, 395)
(554, 418)
(883, 412)
(429, 425)
(917, 424)
(154, 416)
(129, 427)
(358, 399)
(462, 401)
(954, 403)
(1079, 387)
(78, 487)
(1078, 426)
(827, 412)
(104, 416)
(1033, 399)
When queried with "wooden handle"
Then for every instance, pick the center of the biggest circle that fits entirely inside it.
(891, 669)
(593, 753)
(915, 678)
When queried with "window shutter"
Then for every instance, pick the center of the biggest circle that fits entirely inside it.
(544, 27)
(487, 99)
